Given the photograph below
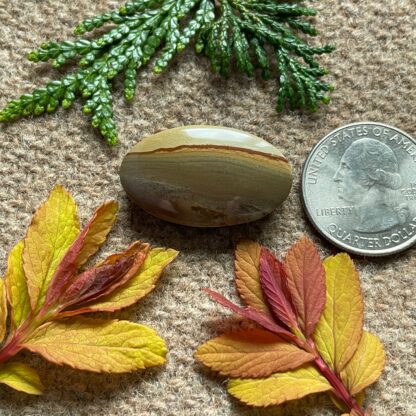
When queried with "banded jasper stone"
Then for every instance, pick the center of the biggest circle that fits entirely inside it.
(205, 176)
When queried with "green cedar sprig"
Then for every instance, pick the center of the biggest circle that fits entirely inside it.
(254, 34)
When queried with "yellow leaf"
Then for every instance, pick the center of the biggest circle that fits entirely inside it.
(251, 353)
(338, 403)
(98, 345)
(366, 366)
(16, 286)
(359, 398)
(339, 330)
(100, 226)
(280, 387)
(3, 309)
(20, 377)
(247, 257)
(54, 227)
(136, 288)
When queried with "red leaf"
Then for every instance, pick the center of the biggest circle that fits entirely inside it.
(86, 244)
(273, 281)
(253, 314)
(66, 269)
(104, 279)
(306, 282)
(94, 281)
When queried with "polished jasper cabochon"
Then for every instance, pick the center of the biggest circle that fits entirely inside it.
(205, 176)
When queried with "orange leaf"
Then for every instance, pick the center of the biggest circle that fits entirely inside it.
(247, 279)
(251, 353)
(273, 280)
(306, 281)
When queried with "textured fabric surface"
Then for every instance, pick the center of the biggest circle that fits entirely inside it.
(374, 73)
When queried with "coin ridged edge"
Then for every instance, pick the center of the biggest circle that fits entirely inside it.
(381, 253)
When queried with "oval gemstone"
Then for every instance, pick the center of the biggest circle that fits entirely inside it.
(205, 176)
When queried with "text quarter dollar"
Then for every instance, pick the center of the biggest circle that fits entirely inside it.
(359, 188)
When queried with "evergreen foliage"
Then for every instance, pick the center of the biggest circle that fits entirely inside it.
(254, 34)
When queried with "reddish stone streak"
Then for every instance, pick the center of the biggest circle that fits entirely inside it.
(209, 147)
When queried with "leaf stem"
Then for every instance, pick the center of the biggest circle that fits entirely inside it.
(11, 348)
(15, 343)
(340, 391)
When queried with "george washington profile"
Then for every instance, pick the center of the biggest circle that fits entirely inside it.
(368, 178)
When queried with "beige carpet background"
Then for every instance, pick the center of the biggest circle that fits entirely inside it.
(374, 73)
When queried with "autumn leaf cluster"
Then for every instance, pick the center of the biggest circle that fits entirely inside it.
(46, 288)
(310, 337)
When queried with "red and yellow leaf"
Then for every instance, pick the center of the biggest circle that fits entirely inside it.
(98, 345)
(279, 387)
(102, 280)
(3, 309)
(99, 226)
(366, 366)
(87, 243)
(16, 286)
(20, 377)
(273, 280)
(136, 288)
(53, 229)
(340, 328)
(254, 315)
(306, 282)
(43, 279)
(247, 279)
(251, 353)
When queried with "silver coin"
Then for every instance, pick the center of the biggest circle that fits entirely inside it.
(359, 188)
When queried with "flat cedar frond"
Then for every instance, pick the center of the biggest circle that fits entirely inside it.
(254, 34)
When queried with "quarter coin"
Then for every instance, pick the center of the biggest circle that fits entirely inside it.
(359, 188)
